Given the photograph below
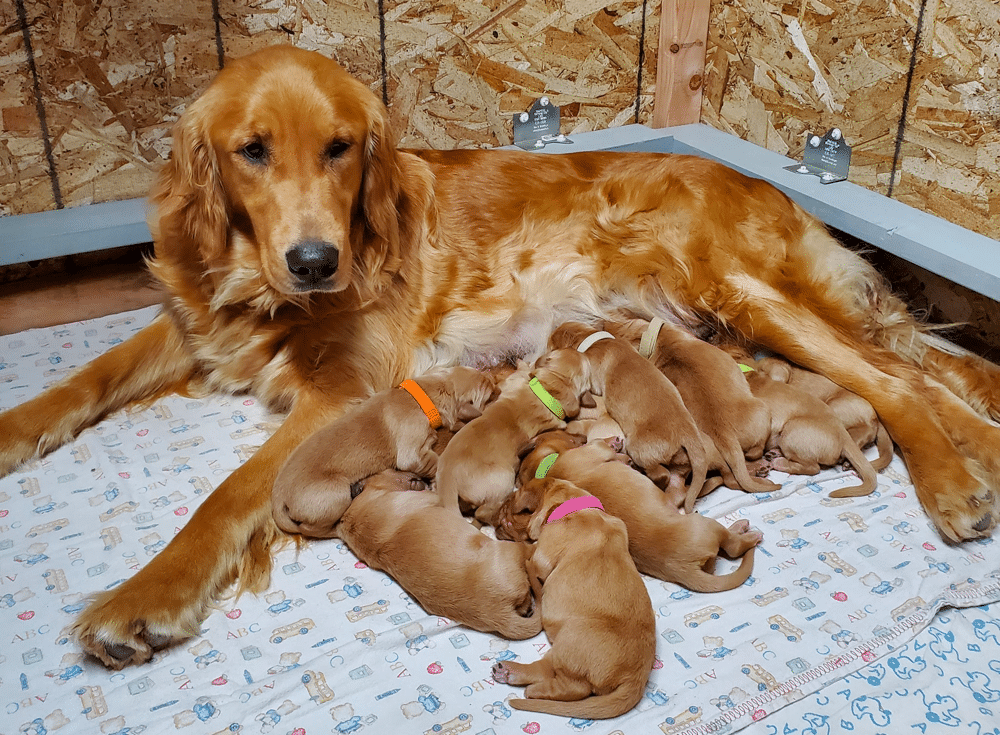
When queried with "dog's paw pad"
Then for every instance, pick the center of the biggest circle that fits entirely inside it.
(500, 673)
(966, 516)
(616, 443)
(156, 641)
(984, 524)
(119, 651)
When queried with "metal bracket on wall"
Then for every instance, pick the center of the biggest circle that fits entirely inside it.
(538, 127)
(828, 157)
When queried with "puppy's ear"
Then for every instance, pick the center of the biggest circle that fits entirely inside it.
(467, 412)
(776, 369)
(189, 219)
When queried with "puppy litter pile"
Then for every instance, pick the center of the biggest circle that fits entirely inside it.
(844, 587)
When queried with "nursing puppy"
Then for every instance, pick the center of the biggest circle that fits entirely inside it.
(478, 467)
(389, 430)
(714, 391)
(595, 423)
(595, 609)
(806, 434)
(442, 562)
(854, 412)
(663, 543)
(661, 436)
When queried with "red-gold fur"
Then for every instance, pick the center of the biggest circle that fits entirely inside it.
(663, 543)
(477, 469)
(460, 256)
(595, 609)
(388, 431)
(445, 564)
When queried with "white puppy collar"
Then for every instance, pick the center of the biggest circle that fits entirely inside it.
(595, 337)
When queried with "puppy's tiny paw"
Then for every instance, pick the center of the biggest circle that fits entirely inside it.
(500, 673)
(616, 443)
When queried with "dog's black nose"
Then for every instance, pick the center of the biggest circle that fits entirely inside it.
(312, 261)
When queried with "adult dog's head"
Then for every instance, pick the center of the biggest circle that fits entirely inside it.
(283, 181)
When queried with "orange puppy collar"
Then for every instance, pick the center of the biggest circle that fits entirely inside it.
(425, 403)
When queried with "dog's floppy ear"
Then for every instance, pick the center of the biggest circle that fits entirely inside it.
(189, 222)
(380, 191)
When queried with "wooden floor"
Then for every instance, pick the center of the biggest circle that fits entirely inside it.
(46, 301)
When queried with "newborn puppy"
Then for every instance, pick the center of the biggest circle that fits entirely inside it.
(854, 412)
(806, 434)
(661, 436)
(596, 612)
(389, 430)
(479, 464)
(663, 543)
(595, 423)
(728, 414)
(447, 566)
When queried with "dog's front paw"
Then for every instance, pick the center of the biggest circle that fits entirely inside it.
(960, 498)
(125, 626)
(616, 443)
(500, 672)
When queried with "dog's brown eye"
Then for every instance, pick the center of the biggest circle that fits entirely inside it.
(336, 149)
(255, 152)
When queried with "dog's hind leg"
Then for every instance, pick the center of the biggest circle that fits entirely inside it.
(954, 480)
(149, 364)
(230, 536)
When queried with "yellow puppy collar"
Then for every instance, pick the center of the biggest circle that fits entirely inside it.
(746, 368)
(550, 401)
(545, 465)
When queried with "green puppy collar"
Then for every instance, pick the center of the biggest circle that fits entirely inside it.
(550, 401)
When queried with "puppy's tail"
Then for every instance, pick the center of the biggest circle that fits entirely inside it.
(600, 707)
(732, 455)
(885, 449)
(699, 474)
(869, 479)
(702, 581)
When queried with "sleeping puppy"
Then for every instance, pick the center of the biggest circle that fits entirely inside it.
(595, 423)
(595, 610)
(854, 412)
(663, 543)
(445, 564)
(806, 434)
(389, 430)
(728, 414)
(477, 469)
(661, 436)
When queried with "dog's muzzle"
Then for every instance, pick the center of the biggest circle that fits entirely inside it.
(313, 263)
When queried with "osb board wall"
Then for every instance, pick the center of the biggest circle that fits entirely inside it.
(90, 88)
(778, 69)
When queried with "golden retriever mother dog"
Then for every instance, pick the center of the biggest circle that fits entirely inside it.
(309, 261)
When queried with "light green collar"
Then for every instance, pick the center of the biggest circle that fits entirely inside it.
(746, 368)
(550, 401)
(545, 465)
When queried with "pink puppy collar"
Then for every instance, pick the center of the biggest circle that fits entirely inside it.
(572, 506)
